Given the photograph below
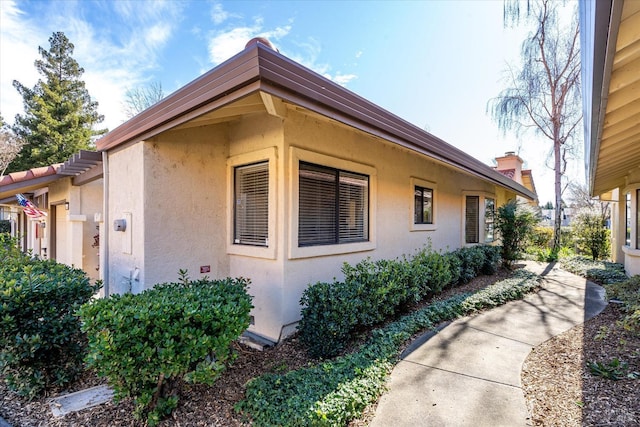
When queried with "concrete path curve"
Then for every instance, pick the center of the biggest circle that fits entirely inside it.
(468, 374)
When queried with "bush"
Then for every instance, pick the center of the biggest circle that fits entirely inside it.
(592, 236)
(514, 224)
(146, 343)
(40, 339)
(334, 392)
(472, 259)
(374, 291)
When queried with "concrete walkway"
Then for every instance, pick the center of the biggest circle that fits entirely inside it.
(468, 374)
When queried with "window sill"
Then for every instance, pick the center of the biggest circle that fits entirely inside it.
(423, 227)
(631, 252)
(327, 250)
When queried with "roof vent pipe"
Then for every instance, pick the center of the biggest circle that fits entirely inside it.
(262, 40)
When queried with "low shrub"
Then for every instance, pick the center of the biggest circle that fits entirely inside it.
(41, 344)
(602, 272)
(373, 291)
(332, 393)
(146, 343)
(629, 293)
(472, 260)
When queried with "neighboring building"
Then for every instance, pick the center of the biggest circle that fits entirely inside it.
(610, 49)
(71, 195)
(264, 169)
(510, 165)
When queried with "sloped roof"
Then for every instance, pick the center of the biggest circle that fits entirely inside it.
(23, 181)
(84, 166)
(259, 69)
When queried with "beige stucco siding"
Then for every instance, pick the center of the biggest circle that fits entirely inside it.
(185, 180)
(126, 201)
(394, 168)
(177, 189)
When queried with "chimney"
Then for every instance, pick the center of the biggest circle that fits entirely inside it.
(511, 165)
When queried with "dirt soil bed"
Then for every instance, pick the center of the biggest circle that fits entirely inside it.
(561, 391)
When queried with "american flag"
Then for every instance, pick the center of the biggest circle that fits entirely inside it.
(29, 208)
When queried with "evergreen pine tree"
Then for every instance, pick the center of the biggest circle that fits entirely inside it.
(59, 114)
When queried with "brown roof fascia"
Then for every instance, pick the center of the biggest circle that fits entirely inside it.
(261, 68)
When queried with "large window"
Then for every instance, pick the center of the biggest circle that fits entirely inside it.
(479, 214)
(333, 206)
(423, 205)
(251, 210)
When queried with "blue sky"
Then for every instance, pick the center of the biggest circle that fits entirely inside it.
(434, 63)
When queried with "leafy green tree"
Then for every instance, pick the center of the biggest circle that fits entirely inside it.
(543, 94)
(60, 117)
(514, 223)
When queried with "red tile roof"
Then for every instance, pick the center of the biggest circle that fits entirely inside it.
(16, 177)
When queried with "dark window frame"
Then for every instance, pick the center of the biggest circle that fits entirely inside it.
(418, 205)
(257, 227)
(332, 183)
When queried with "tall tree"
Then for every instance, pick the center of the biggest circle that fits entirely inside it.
(60, 117)
(543, 93)
(10, 146)
(139, 99)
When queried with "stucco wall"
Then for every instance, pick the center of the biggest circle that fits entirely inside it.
(126, 201)
(394, 168)
(185, 180)
(177, 189)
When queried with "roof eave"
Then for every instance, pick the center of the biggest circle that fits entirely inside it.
(259, 68)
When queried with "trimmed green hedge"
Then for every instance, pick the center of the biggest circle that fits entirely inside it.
(145, 343)
(373, 291)
(334, 392)
(41, 344)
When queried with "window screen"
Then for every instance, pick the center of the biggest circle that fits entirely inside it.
(333, 206)
(423, 205)
(251, 216)
(472, 206)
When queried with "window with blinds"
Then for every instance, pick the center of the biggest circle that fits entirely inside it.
(333, 206)
(489, 215)
(471, 223)
(423, 205)
(251, 213)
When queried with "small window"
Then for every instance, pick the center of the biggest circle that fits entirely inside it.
(489, 215)
(251, 213)
(423, 205)
(333, 206)
(472, 218)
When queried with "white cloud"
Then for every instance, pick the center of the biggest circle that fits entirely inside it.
(219, 15)
(18, 51)
(113, 60)
(225, 44)
(343, 79)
